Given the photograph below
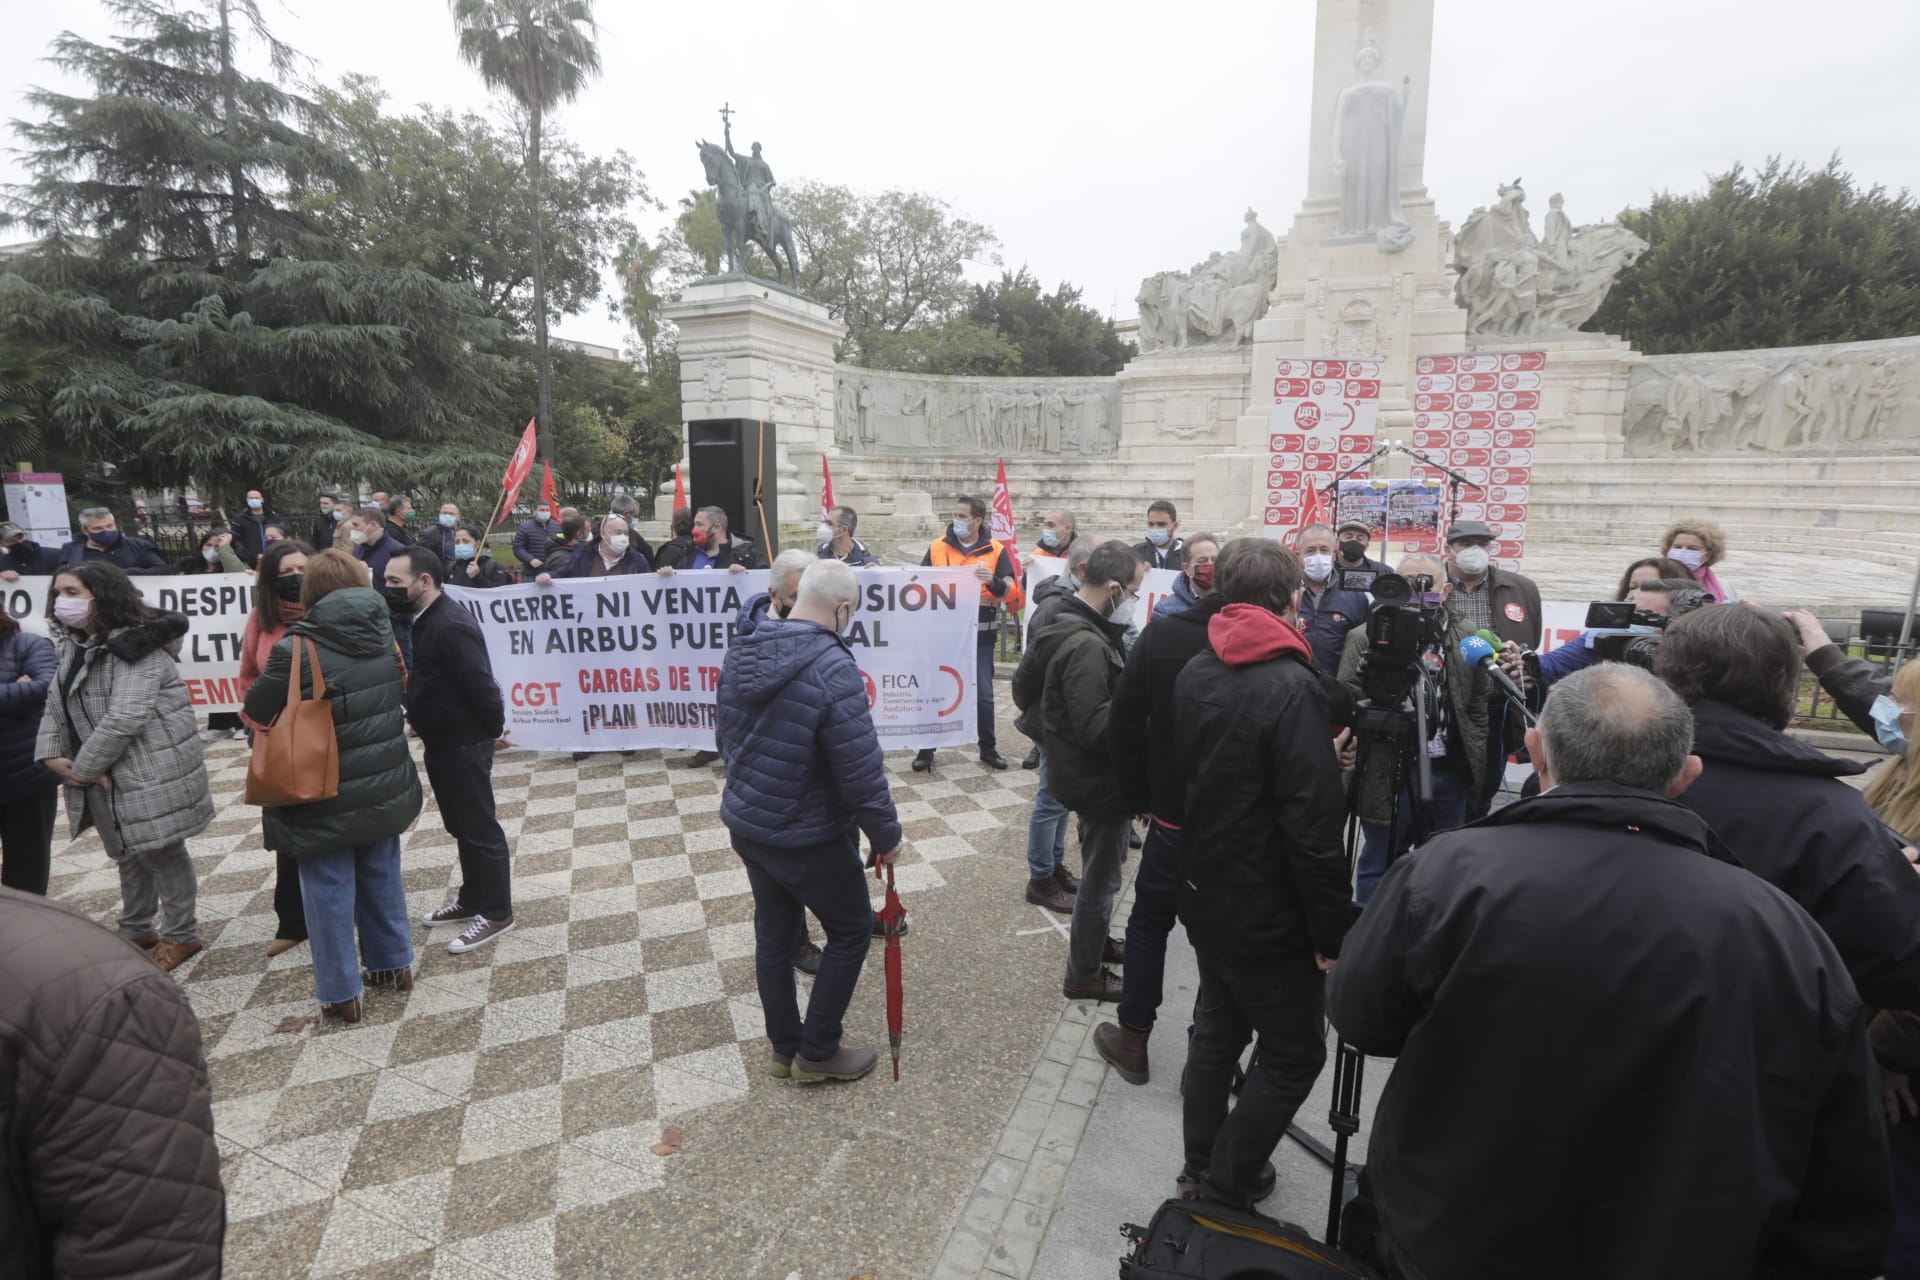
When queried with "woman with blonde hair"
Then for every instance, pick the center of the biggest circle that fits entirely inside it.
(1895, 796)
(1699, 545)
(347, 848)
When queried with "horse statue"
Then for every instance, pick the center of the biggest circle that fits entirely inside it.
(737, 223)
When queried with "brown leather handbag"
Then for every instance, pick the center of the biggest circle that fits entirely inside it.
(296, 759)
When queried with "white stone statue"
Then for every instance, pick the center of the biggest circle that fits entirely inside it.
(1216, 303)
(1366, 149)
(1513, 284)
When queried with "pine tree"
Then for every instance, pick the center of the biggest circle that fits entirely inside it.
(206, 330)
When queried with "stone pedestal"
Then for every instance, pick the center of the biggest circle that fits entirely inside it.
(750, 348)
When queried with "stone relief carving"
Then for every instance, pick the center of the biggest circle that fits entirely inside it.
(1214, 304)
(1516, 284)
(1769, 402)
(879, 413)
(1367, 118)
(715, 370)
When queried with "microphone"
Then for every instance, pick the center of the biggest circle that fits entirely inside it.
(1495, 643)
(1476, 652)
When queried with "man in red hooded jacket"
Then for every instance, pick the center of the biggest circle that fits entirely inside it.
(1264, 886)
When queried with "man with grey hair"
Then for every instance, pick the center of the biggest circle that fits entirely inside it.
(101, 539)
(806, 777)
(21, 556)
(1616, 1046)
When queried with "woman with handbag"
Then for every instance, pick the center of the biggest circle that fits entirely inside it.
(276, 607)
(119, 729)
(345, 838)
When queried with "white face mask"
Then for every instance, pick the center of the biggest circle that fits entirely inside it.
(1472, 560)
(823, 534)
(210, 554)
(1688, 556)
(543, 516)
(1122, 615)
(254, 504)
(1318, 566)
(618, 542)
(359, 536)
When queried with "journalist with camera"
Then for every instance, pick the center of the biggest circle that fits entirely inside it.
(1626, 630)
(1620, 1055)
(1422, 717)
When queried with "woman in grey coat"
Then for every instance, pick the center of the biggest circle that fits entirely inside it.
(120, 732)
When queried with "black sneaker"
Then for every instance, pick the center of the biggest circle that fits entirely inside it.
(1032, 761)
(479, 934)
(700, 759)
(807, 958)
(993, 760)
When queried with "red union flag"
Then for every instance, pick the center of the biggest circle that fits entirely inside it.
(826, 489)
(519, 467)
(1001, 521)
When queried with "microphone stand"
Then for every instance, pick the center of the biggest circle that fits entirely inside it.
(1331, 490)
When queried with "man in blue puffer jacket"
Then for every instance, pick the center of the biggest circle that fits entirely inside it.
(804, 778)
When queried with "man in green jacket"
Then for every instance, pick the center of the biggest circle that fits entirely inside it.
(1071, 671)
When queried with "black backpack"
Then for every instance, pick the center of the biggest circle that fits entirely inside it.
(1194, 1240)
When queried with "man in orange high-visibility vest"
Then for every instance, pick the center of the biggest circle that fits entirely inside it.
(967, 543)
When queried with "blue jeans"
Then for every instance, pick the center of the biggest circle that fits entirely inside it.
(1148, 924)
(827, 880)
(1452, 796)
(1046, 829)
(343, 888)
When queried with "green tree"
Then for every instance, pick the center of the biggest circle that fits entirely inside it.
(542, 53)
(697, 243)
(1783, 257)
(1054, 335)
(448, 194)
(641, 268)
(883, 265)
(207, 329)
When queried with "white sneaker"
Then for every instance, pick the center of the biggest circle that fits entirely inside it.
(239, 735)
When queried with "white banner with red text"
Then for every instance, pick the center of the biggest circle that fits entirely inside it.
(617, 663)
(614, 664)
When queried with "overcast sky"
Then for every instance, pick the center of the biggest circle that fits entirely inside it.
(1103, 143)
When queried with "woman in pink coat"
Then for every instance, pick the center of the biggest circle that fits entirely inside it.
(276, 607)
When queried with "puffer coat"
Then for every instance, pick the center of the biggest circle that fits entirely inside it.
(106, 1112)
(22, 704)
(379, 783)
(119, 710)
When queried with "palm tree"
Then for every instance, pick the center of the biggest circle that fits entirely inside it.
(541, 52)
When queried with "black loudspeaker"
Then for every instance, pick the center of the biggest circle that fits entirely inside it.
(734, 468)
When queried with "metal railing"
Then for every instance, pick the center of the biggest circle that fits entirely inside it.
(1816, 704)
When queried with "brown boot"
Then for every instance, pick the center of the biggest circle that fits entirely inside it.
(170, 955)
(1124, 1049)
(1105, 986)
(1066, 879)
(347, 1011)
(1047, 893)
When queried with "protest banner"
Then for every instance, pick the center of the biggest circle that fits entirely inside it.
(1322, 423)
(216, 607)
(614, 664)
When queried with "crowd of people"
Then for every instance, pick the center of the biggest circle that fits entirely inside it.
(1664, 1007)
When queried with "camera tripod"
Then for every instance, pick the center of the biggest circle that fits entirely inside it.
(1403, 730)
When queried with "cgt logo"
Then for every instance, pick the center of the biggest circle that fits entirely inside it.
(541, 694)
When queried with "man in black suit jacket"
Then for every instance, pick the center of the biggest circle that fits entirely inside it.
(455, 707)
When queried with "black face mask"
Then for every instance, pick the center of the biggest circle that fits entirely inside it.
(1353, 552)
(397, 600)
(288, 586)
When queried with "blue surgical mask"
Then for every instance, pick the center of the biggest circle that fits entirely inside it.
(1886, 715)
(1642, 629)
(1158, 537)
(448, 521)
(463, 550)
(1048, 538)
(960, 528)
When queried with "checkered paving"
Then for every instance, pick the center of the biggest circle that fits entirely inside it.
(468, 1127)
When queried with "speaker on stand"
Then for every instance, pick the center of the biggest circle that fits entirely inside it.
(734, 467)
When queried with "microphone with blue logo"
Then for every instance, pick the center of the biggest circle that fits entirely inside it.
(1476, 652)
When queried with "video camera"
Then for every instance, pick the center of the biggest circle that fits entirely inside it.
(1623, 633)
(1400, 633)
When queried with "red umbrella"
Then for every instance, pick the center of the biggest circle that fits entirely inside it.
(893, 923)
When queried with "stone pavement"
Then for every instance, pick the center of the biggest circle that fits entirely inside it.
(500, 1120)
